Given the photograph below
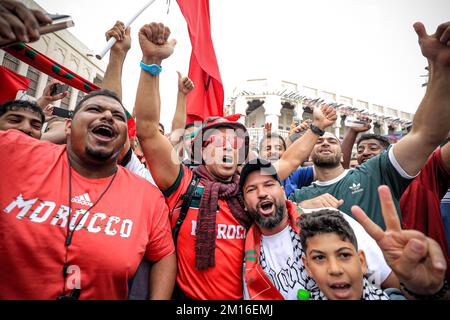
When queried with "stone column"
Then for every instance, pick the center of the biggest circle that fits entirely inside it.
(272, 106)
(337, 125)
(384, 128)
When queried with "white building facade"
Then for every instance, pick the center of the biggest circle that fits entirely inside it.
(281, 102)
(64, 48)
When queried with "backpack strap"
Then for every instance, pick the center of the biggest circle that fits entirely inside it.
(187, 199)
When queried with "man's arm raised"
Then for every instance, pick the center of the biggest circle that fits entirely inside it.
(300, 150)
(113, 75)
(158, 151)
(431, 123)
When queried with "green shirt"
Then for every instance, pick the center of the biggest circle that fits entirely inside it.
(359, 186)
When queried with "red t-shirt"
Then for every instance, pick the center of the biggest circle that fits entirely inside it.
(421, 203)
(129, 223)
(224, 280)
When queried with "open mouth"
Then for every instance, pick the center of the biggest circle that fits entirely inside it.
(227, 159)
(341, 290)
(266, 207)
(104, 132)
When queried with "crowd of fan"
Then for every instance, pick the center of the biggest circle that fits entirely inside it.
(89, 212)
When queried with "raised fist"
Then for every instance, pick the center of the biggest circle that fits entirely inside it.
(154, 42)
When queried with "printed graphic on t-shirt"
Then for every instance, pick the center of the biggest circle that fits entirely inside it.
(45, 211)
(290, 275)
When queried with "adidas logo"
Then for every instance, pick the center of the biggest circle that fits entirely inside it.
(356, 188)
(83, 199)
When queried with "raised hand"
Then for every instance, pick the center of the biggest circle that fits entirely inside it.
(435, 47)
(185, 85)
(324, 116)
(365, 127)
(154, 42)
(299, 128)
(416, 259)
(17, 22)
(122, 36)
(325, 200)
(267, 127)
(47, 97)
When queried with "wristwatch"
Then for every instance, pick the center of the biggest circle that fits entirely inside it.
(153, 69)
(316, 130)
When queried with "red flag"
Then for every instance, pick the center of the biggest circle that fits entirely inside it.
(11, 83)
(46, 65)
(207, 98)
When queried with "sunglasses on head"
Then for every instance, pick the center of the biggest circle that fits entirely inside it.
(236, 142)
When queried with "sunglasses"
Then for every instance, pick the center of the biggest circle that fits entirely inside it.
(236, 142)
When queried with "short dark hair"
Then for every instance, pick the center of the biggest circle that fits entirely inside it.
(102, 92)
(272, 135)
(382, 140)
(322, 222)
(24, 105)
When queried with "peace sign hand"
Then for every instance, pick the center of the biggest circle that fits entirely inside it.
(416, 259)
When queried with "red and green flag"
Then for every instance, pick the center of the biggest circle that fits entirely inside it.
(57, 71)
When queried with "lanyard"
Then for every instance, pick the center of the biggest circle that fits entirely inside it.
(69, 235)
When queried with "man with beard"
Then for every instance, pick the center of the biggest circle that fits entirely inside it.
(273, 147)
(400, 163)
(73, 224)
(273, 267)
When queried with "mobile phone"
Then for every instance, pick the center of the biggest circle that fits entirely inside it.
(56, 26)
(57, 16)
(354, 123)
(58, 88)
(63, 113)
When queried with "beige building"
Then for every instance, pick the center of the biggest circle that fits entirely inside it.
(64, 48)
(280, 102)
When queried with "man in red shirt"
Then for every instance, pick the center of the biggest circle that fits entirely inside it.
(73, 224)
(210, 243)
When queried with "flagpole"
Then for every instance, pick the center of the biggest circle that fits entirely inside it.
(113, 40)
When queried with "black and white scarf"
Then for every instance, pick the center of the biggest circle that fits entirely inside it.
(370, 292)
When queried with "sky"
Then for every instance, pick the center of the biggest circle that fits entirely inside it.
(365, 49)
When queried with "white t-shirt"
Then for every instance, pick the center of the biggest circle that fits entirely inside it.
(135, 166)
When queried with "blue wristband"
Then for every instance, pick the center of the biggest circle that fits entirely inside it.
(153, 69)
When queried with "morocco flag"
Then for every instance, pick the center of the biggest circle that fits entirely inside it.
(11, 83)
(206, 99)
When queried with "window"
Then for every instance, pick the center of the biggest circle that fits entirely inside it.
(65, 103)
(33, 76)
(10, 62)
